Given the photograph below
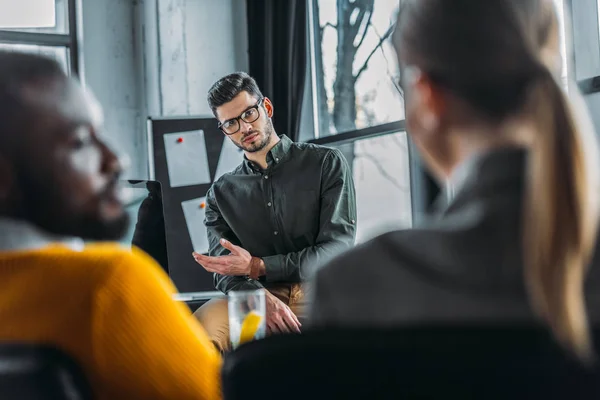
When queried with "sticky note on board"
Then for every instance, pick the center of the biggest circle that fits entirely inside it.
(194, 211)
(231, 156)
(187, 161)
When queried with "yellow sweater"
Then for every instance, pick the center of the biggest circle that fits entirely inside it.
(111, 310)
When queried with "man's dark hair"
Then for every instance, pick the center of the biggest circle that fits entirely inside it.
(20, 69)
(226, 88)
(17, 71)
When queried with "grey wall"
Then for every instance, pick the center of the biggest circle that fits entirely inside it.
(158, 58)
(111, 69)
(199, 42)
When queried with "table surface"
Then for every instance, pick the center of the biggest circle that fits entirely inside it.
(194, 296)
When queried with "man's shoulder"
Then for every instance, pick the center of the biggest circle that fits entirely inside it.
(87, 267)
(124, 272)
(113, 258)
(228, 176)
(225, 182)
(316, 151)
(99, 253)
(106, 251)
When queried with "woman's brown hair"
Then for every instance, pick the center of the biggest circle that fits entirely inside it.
(490, 54)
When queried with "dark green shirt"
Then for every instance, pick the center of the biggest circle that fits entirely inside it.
(294, 215)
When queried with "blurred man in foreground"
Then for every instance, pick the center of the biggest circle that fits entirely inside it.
(108, 308)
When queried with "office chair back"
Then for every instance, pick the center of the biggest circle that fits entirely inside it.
(36, 372)
(424, 363)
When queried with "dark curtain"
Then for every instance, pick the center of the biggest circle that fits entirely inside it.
(432, 191)
(424, 189)
(277, 32)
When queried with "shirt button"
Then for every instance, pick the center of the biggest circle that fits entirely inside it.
(276, 233)
(266, 176)
(277, 159)
(353, 221)
(269, 204)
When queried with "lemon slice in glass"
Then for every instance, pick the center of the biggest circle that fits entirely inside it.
(250, 326)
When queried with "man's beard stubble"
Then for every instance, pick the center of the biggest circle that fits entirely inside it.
(40, 204)
(254, 147)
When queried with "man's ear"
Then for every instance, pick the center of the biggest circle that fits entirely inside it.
(432, 102)
(269, 107)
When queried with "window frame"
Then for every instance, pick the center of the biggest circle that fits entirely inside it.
(589, 85)
(418, 181)
(71, 40)
(312, 40)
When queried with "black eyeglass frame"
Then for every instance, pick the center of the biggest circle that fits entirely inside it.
(241, 116)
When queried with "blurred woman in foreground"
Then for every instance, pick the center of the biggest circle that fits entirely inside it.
(486, 110)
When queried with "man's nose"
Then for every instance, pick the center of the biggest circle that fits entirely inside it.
(245, 126)
(111, 163)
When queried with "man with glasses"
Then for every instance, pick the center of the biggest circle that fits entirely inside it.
(285, 209)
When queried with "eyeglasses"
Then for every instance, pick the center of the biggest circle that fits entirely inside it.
(231, 126)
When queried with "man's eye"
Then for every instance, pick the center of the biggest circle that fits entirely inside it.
(79, 143)
(81, 138)
(228, 124)
(250, 113)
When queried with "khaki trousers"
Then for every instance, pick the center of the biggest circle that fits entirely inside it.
(213, 315)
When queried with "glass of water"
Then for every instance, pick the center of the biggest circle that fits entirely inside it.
(247, 311)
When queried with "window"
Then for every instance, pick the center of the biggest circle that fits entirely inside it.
(43, 16)
(358, 107)
(380, 167)
(45, 27)
(354, 65)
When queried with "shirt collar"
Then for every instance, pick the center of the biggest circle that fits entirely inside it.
(277, 154)
(20, 235)
(281, 149)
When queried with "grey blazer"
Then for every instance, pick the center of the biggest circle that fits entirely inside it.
(463, 265)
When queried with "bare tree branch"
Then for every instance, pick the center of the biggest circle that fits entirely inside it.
(396, 85)
(381, 170)
(398, 142)
(322, 28)
(359, 18)
(381, 40)
(387, 66)
(367, 25)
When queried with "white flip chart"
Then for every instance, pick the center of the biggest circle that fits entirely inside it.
(194, 211)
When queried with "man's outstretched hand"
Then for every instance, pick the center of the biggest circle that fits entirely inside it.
(280, 318)
(237, 263)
